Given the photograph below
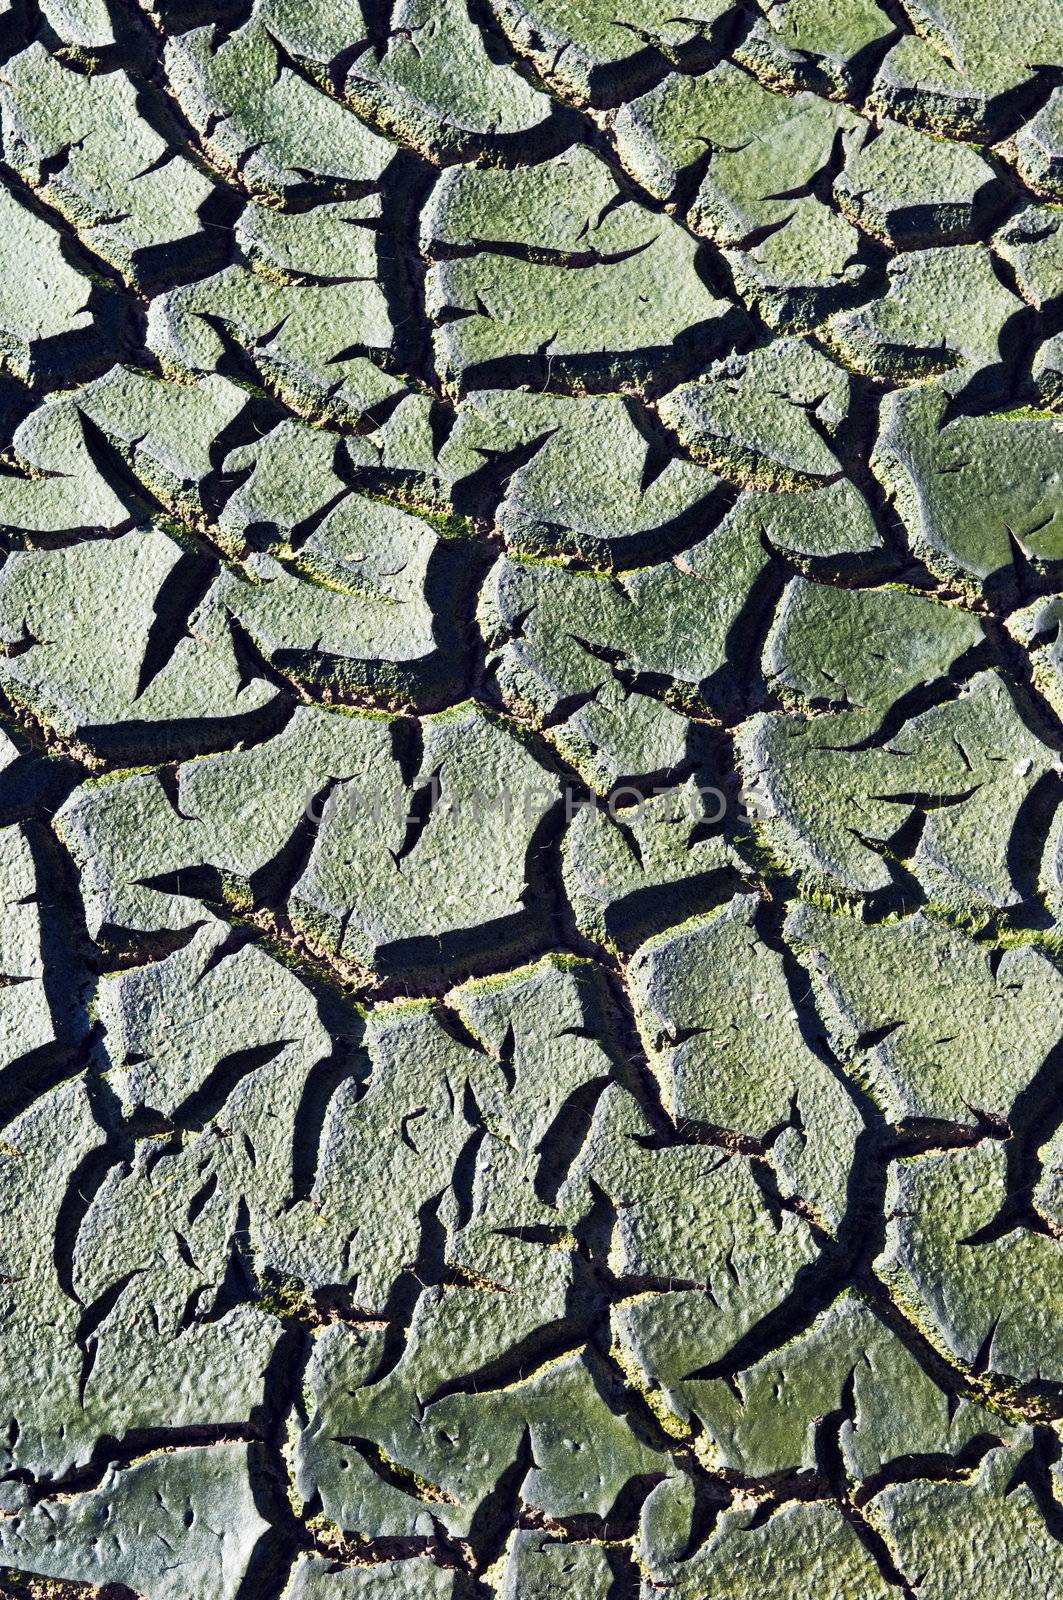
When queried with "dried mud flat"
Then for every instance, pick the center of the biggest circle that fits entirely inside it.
(531, 761)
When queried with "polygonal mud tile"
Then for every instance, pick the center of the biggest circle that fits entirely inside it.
(757, 146)
(796, 1545)
(911, 190)
(538, 1566)
(1037, 629)
(135, 201)
(733, 1056)
(165, 434)
(166, 670)
(847, 802)
(847, 1365)
(945, 314)
(437, 86)
(837, 649)
(758, 158)
(142, 843)
(433, 865)
(826, 46)
(967, 70)
(1037, 149)
(54, 321)
(558, 278)
(761, 420)
(1031, 242)
(927, 1015)
(315, 1578)
(701, 1251)
(616, 710)
(983, 1285)
(320, 346)
(264, 124)
(367, 604)
(592, 55)
(993, 1520)
(85, 25)
(587, 477)
(975, 493)
(125, 1528)
(634, 867)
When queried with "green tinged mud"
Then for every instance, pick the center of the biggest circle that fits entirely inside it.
(531, 761)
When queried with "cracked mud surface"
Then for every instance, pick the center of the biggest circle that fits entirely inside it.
(531, 762)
